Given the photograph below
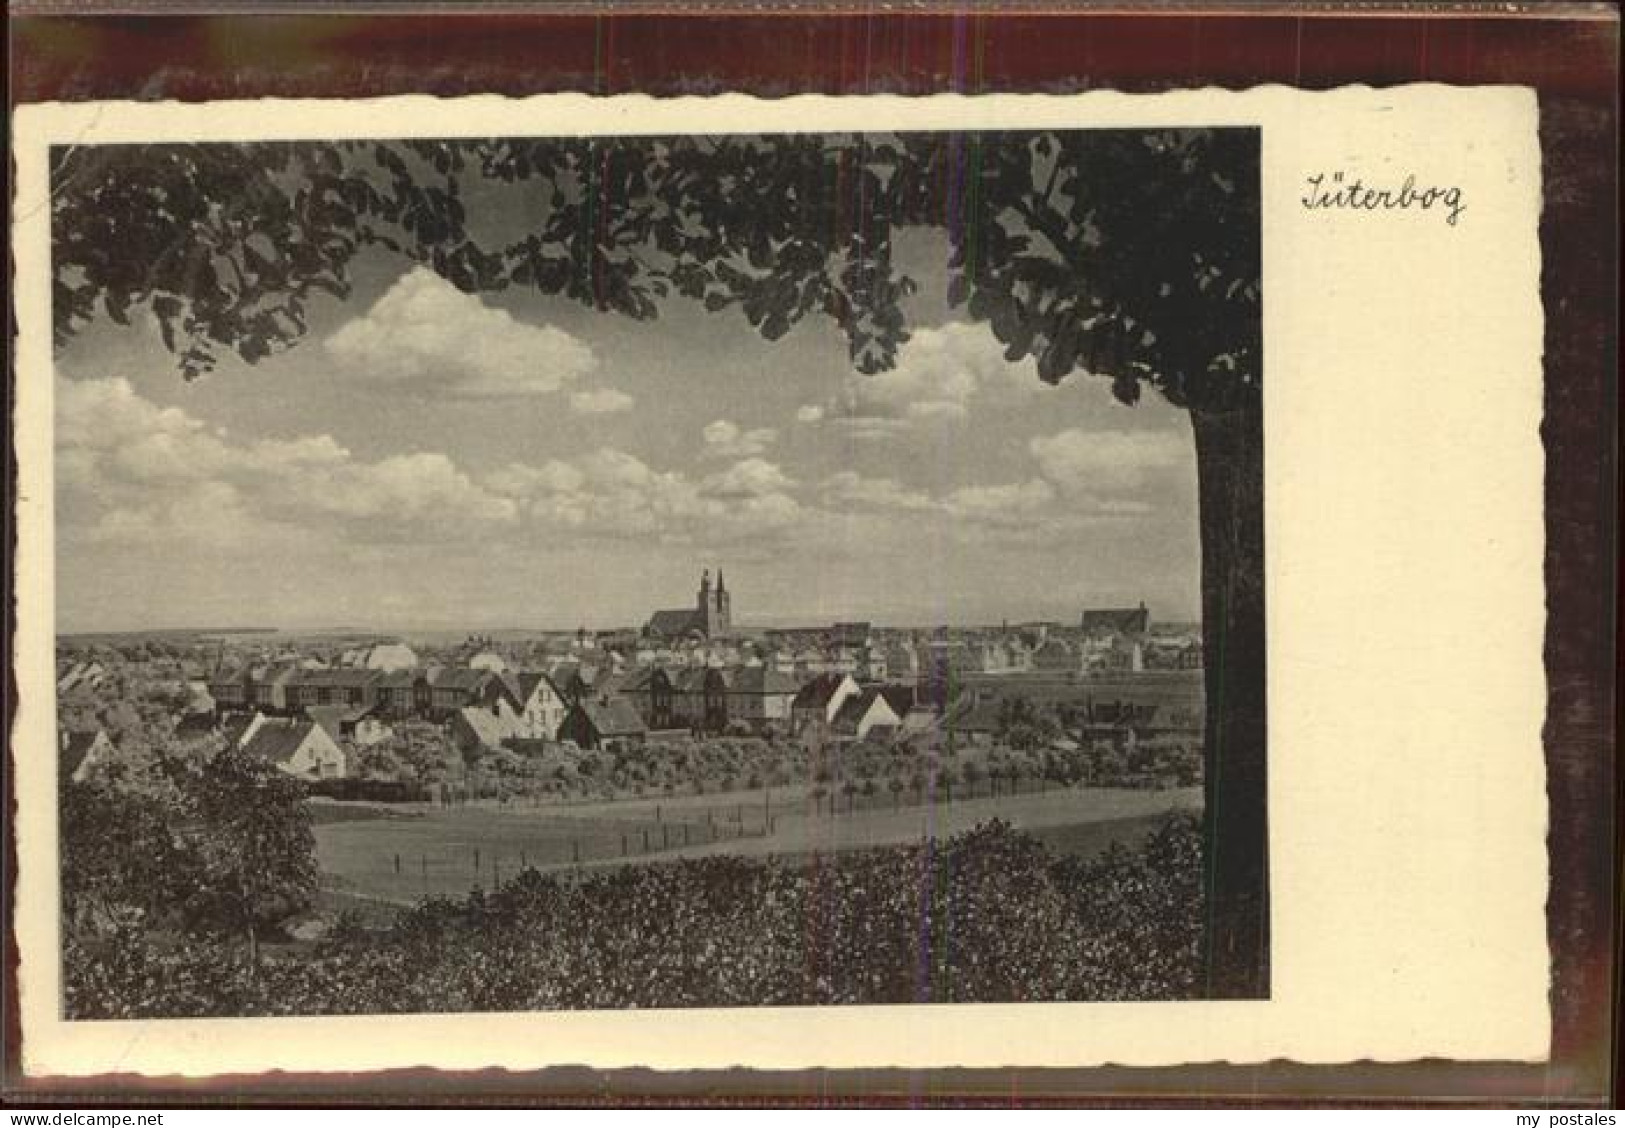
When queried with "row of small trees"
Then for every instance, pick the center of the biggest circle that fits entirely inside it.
(420, 755)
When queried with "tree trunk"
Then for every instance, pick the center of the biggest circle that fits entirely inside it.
(1230, 475)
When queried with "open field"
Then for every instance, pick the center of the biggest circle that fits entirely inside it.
(449, 852)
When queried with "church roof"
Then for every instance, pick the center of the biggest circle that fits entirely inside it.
(679, 621)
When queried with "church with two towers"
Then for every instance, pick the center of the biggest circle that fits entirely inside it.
(710, 617)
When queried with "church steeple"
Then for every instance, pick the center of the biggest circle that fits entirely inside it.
(722, 617)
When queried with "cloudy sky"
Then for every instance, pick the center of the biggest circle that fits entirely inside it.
(429, 459)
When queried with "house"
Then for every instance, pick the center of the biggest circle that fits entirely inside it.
(541, 705)
(228, 688)
(653, 694)
(251, 687)
(714, 699)
(240, 728)
(474, 729)
(687, 697)
(1058, 656)
(760, 697)
(901, 660)
(575, 680)
(903, 699)
(865, 713)
(1175, 653)
(83, 752)
(609, 722)
(356, 688)
(357, 724)
(401, 693)
(301, 748)
(872, 666)
(853, 636)
(611, 680)
(454, 688)
(1131, 621)
(81, 675)
(816, 704)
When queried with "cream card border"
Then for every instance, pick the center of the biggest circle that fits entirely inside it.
(1404, 546)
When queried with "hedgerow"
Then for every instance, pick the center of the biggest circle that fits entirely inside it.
(989, 915)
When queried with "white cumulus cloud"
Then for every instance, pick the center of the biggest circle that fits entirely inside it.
(938, 375)
(848, 489)
(1015, 502)
(726, 439)
(425, 337)
(132, 470)
(1094, 462)
(754, 477)
(610, 493)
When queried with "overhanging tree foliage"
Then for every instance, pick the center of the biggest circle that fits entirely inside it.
(1127, 255)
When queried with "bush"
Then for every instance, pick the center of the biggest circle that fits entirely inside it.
(1000, 920)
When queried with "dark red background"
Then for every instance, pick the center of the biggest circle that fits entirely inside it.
(1573, 62)
(333, 56)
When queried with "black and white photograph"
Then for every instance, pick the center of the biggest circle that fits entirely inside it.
(571, 573)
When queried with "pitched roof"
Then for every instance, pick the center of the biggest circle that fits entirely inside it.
(458, 677)
(612, 715)
(76, 745)
(233, 728)
(278, 741)
(1124, 620)
(642, 679)
(528, 680)
(816, 694)
(901, 698)
(396, 679)
(333, 717)
(195, 726)
(486, 727)
(856, 707)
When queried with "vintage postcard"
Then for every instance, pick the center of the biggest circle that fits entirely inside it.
(827, 582)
